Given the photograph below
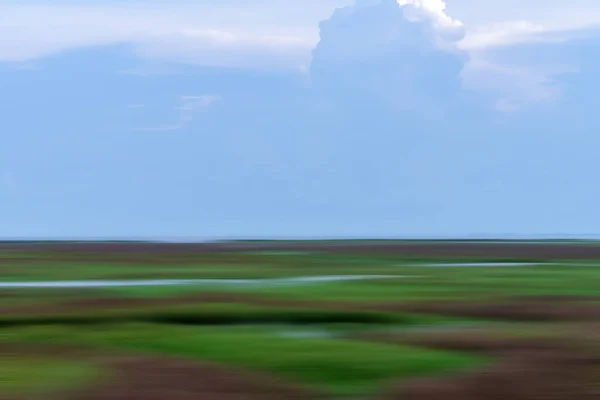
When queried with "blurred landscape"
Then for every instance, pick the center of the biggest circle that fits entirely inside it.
(347, 319)
(314, 200)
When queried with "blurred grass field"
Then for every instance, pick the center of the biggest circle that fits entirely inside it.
(241, 325)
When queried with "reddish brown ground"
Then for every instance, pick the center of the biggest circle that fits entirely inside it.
(522, 376)
(92, 304)
(487, 250)
(548, 308)
(164, 378)
(526, 369)
(514, 309)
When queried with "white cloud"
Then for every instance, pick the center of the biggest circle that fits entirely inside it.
(521, 63)
(210, 47)
(279, 34)
(509, 42)
(503, 34)
(260, 33)
(434, 11)
(189, 34)
(407, 56)
(552, 15)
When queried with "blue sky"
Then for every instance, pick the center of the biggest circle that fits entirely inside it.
(271, 118)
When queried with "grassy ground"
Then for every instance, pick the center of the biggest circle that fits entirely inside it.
(335, 365)
(306, 333)
(35, 376)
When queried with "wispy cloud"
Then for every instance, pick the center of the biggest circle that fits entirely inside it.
(503, 34)
(176, 33)
(193, 104)
(188, 108)
(515, 86)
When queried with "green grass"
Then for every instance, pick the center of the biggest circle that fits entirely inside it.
(335, 365)
(434, 283)
(42, 376)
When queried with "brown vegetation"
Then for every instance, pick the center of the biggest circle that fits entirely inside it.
(531, 309)
(487, 250)
(558, 368)
(155, 378)
(554, 308)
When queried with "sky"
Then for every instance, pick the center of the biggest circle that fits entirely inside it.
(277, 119)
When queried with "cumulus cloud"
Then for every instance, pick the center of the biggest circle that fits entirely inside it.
(413, 55)
(402, 53)
(434, 12)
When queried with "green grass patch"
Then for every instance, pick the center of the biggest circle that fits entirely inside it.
(339, 366)
(32, 376)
